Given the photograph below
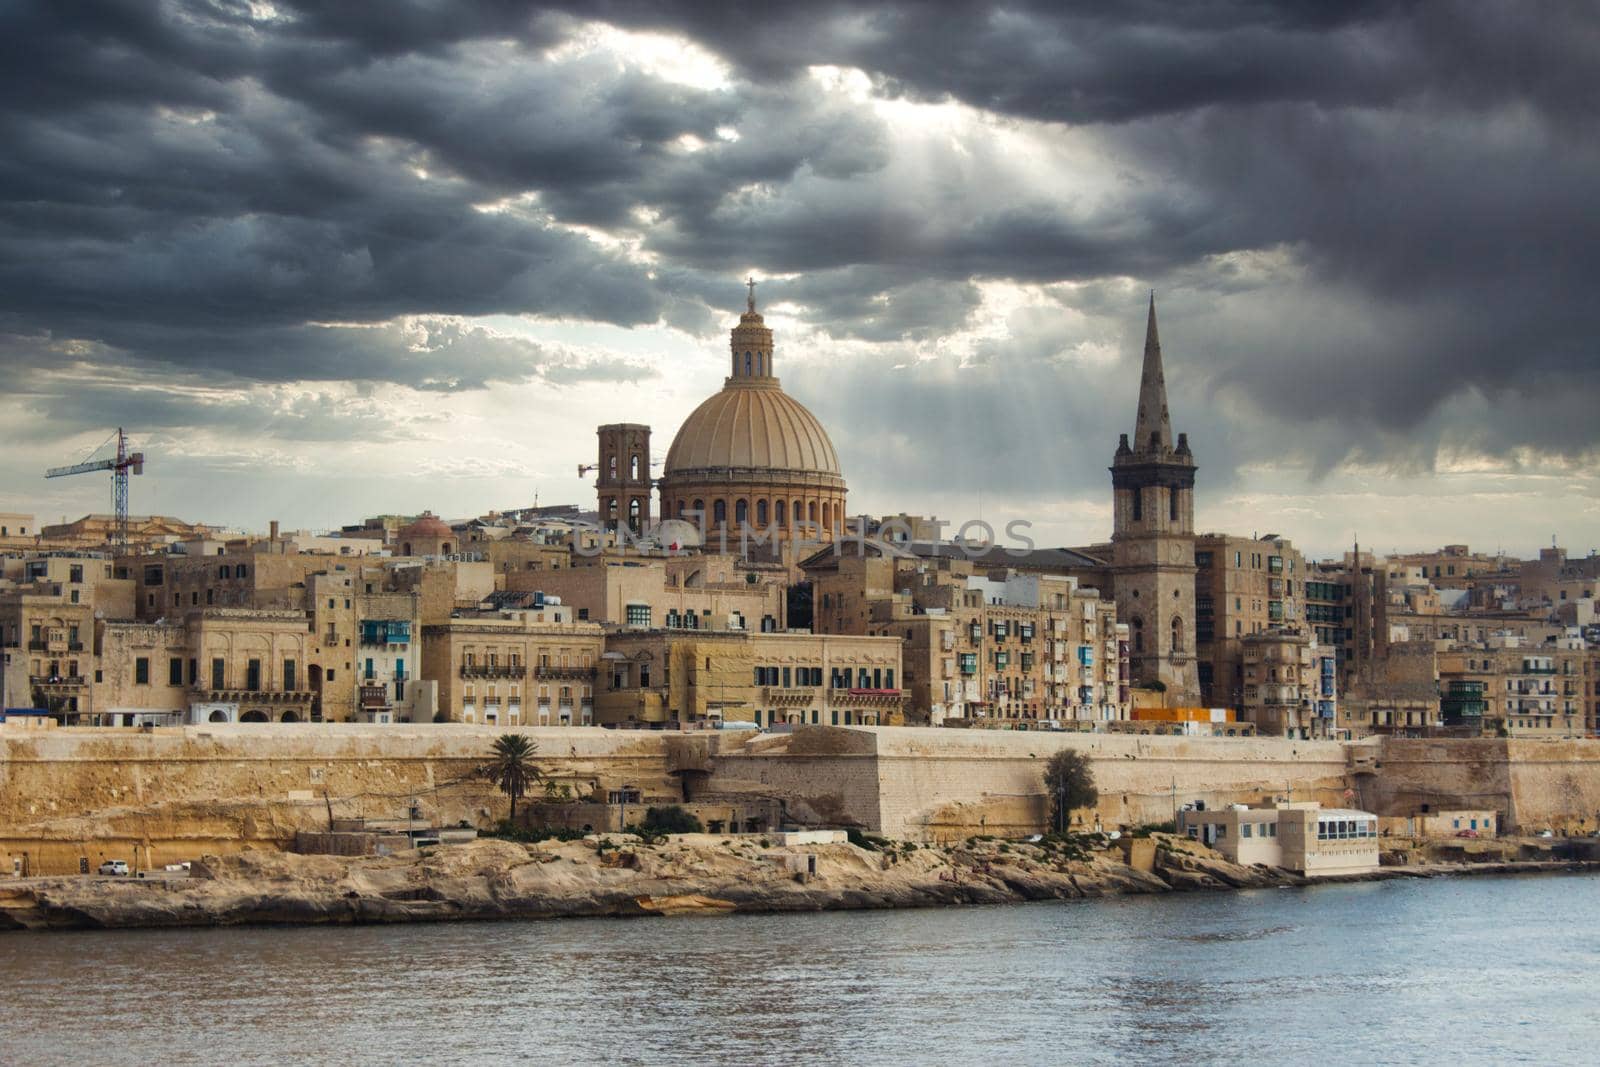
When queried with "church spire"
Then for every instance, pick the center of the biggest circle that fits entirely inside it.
(1152, 429)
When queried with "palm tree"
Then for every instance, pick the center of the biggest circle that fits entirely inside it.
(512, 768)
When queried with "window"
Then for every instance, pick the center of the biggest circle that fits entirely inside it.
(1138, 505)
(175, 672)
(638, 614)
(289, 677)
(1172, 504)
(141, 671)
(1244, 829)
(252, 675)
(219, 672)
(719, 512)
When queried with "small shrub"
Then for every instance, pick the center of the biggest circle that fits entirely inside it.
(529, 835)
(861, 840)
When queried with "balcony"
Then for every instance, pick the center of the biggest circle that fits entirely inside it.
(564, 672)
(784, 694)
(864, 696)
(56, 682)
(481, 670)
(374, 696)
(212, 695)
(38, 646)
(74, 646)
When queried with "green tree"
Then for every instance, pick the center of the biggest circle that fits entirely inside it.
(1069, 779)
(669, 820)
(511, 767)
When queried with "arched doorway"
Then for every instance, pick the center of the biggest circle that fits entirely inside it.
(289, 716)
(253, 715)
(218, 716)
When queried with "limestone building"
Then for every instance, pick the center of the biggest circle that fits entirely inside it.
(1153, 541)
(1510, 687)
(514, 668)
(661, 678)
(1243, 586)
(49, 603)
(709, 592)
(1290, 687)
(983, 643)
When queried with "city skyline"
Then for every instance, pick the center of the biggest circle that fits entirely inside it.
(323, 269)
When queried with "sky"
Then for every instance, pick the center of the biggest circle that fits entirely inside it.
(325, 263)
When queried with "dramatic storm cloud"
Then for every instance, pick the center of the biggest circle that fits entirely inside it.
(325, 259)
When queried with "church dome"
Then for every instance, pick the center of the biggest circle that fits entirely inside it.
(427, 525)
(753, 454)
(751, 424)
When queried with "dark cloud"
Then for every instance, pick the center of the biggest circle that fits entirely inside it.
(1371, 222)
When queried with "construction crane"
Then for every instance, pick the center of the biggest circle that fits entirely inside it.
(122, 465)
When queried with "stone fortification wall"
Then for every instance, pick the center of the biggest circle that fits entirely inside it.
(992, 781)
(1534, 785)
(939, 785)
(821, 775)
(174, 793)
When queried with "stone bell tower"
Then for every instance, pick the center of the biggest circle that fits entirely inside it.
(624, 486)
(1152, 480)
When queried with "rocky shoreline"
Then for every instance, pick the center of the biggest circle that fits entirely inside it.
(621, 876)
